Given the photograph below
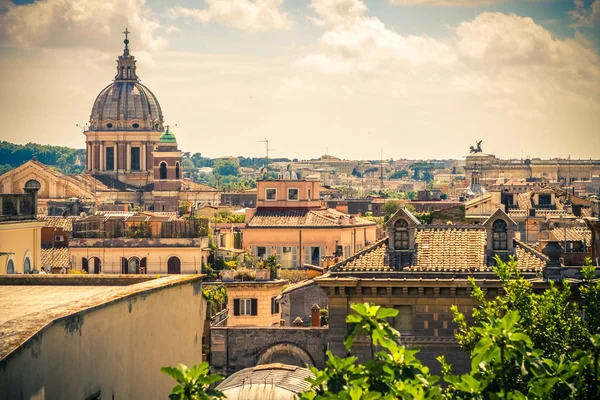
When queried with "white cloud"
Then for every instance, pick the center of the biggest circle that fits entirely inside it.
(458, 3)
(337, 12)
(173, 29)
(355, 43)
(247, 15)
(585, 17)
(79, 23)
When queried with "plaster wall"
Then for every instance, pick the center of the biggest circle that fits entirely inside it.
(21, 239)
(116, 348)
(254, 290)
(191, 258)
(355, 237)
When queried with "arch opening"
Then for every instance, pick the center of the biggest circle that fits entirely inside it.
(286, 353)
(163, 170)
(174, 265)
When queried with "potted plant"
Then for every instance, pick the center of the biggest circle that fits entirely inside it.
(262, 272)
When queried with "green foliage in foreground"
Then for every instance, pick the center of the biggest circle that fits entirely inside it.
(193, 383)
(523, 345)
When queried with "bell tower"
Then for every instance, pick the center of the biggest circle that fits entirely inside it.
(168, 172)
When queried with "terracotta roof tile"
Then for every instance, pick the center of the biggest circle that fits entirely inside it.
(305, 218)
(55, 257)
(572, 234)
(529, 259)
(66, 223)
(451, 249)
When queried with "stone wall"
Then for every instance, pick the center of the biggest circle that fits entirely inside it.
(236, 348)
(298, 303)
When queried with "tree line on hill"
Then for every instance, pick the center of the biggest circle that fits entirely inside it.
(64, 159)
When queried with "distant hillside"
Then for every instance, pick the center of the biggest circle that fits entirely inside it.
(64, 159)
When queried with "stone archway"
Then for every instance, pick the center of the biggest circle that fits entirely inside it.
(286, 353)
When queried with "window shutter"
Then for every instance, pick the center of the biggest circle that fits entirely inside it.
(306, 255)
(236, 306)
(294, 257)
(123, 265)
(254, 251)
(272, 305)
(269, 250)
(322, 250)
(279, 253)
(253, 306)
(84, 264)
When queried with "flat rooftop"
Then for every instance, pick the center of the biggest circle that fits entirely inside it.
(31, 303)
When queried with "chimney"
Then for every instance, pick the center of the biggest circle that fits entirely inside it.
(298, 322)
(315, 315)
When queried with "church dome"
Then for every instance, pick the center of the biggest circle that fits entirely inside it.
(126, 104)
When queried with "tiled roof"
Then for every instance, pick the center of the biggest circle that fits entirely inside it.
(55, 257)
(451, 249)
(528, 258)
(572, 234)
(458, 250)
(524, 200)
(188, 184)
(303, 217)
(66, 223)
(372, 258)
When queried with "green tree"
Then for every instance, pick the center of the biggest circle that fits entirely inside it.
(399, 174)
(226, 167)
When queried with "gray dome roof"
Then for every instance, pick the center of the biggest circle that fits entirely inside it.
(126, 105)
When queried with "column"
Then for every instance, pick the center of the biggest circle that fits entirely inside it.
(128, 157)
(88, 157)
(116, 157)
(144, 152)
(101, 158)
(92, 158)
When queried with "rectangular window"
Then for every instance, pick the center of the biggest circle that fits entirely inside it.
(292, 194)
(545, 200)
(500, 241)
(135, 158)
(247, 307)
(271, 194)
(274, 306)
(404, 322)
(110, 158)
(309, 197)
(261, 251)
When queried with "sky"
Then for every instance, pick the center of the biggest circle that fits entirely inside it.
(355, 79)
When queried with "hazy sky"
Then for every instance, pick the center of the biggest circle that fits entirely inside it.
(418, 78)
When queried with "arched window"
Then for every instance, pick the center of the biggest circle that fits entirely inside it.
(401, 235)
(500, 238)
(174, 265)
(27, 266)
(177, 170)
(10, 267)
(133, 265)
(163, 170)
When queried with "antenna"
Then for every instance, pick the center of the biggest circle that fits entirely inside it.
(266, 141)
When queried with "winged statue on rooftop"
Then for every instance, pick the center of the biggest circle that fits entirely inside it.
(476, 149)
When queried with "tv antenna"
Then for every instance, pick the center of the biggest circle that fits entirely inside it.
(266, 142)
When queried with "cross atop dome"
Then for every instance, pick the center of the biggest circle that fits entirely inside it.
(126, 41)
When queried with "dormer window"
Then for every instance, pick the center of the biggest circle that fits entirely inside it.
(500, 238)
(401, 241)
